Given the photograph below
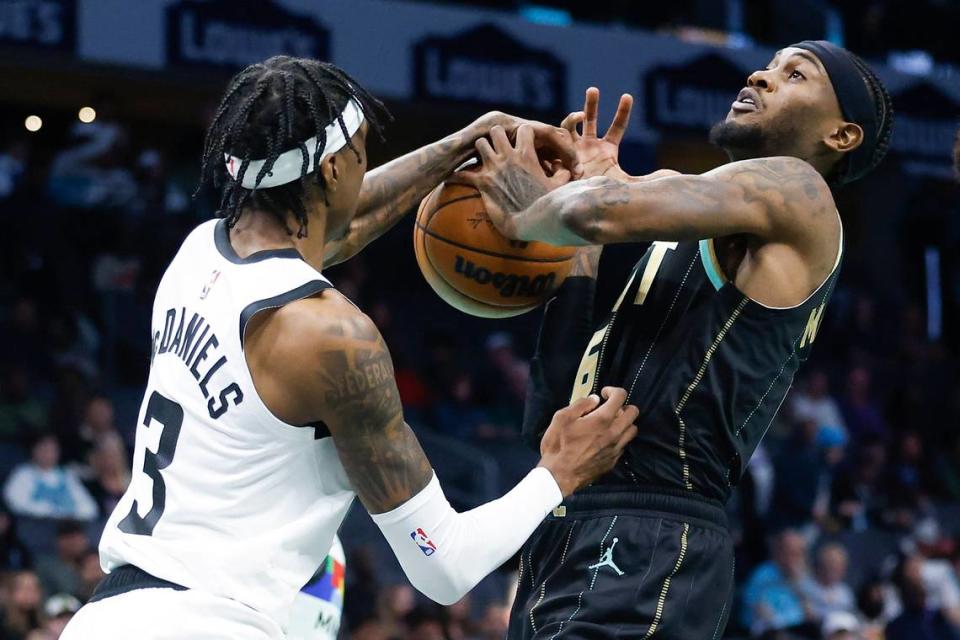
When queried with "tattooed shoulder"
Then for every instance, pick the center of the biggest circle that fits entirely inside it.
(786, 185)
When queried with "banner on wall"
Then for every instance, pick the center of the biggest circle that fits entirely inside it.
(44, 24)
(693, 96)
(457, 55)
(486, 65)
(924, 127)
(215, 34)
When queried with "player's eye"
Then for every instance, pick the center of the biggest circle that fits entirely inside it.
(796, 74)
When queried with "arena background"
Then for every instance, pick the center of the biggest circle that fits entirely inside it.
(865, 453)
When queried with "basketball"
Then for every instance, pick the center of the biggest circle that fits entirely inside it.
(474, 267)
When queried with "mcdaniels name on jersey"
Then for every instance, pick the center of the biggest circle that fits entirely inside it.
(189, 341)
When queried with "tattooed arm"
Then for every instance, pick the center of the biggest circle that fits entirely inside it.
(770, 198)
(393, 189)
(338, 370)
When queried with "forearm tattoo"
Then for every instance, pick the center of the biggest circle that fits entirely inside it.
(686, 207)
(379, 452)
(393, 189)
(515, 189)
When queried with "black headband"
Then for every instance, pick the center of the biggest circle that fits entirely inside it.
(856, 102)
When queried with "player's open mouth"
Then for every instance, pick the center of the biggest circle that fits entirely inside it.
(747, 100)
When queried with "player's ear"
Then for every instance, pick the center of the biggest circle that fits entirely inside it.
(846, 137)
(331, 169)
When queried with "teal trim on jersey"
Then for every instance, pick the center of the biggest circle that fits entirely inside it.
(709, 259)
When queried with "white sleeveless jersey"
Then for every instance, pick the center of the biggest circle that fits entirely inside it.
(225, 497)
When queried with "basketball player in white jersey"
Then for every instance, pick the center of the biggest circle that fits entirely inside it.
(271, 400)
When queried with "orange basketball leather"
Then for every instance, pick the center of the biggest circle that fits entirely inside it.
(473, 267)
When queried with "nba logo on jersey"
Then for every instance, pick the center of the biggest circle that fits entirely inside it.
(424, 542)
(209, 285)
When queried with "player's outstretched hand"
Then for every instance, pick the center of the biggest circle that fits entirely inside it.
(599, 156)
(585, 440)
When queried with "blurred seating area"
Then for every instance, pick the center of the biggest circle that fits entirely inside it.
(847, 519)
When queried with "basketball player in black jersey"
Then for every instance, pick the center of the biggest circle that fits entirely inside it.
(706, 337)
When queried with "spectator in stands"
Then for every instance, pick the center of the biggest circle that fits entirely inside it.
(93, 171)
(396, 601)
(22, 342)
(856, 497)
(363, 583)
(803, 470)
(369, 629)
(58, 609)
(872, 609)
(23, 412)
(828, 593)
(74, 340)
(938, 575)
(21, 601)
(774, 594)
(503, 383)
(860, 411)
(815, 403)
(442, 361)
(754, 499)
(157, 194)
(459, 415)
(493, 624)
(947, 469)
(73, 393)
(919, 620)
(60, 573)
(90, 574)
(908, 480)
(423, 623)
(840, 625)
(98, 423)
(14, 556)
(13, 167)
(457, 622)
(111, 472)
(41, 488)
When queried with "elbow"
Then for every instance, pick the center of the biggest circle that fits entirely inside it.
(445, 589)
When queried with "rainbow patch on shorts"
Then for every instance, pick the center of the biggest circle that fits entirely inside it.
(329, 584)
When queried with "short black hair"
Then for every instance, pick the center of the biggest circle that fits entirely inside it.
(272, 107)
(883, 107)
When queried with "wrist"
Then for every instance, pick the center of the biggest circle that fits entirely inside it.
(565, 483)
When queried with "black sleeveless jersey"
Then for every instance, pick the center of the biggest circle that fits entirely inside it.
(707, 366)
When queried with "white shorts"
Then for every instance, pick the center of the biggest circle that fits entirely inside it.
(168, 614)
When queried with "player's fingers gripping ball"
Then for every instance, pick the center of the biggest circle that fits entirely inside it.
(474, 267)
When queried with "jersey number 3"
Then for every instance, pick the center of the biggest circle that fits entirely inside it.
(169, 415)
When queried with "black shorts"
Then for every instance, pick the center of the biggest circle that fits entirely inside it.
(623, 564)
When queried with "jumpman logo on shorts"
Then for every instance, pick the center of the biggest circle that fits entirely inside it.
(606, 560)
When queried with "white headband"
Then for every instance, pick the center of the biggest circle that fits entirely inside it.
(289, 164)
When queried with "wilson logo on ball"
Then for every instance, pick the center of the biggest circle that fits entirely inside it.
(507, 284)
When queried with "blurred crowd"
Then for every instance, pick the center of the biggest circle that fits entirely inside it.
(847, 519)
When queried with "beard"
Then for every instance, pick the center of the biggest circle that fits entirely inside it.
(782, 136)
(739, 140)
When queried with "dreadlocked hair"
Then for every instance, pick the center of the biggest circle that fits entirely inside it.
(270, 108)
(883, 108)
